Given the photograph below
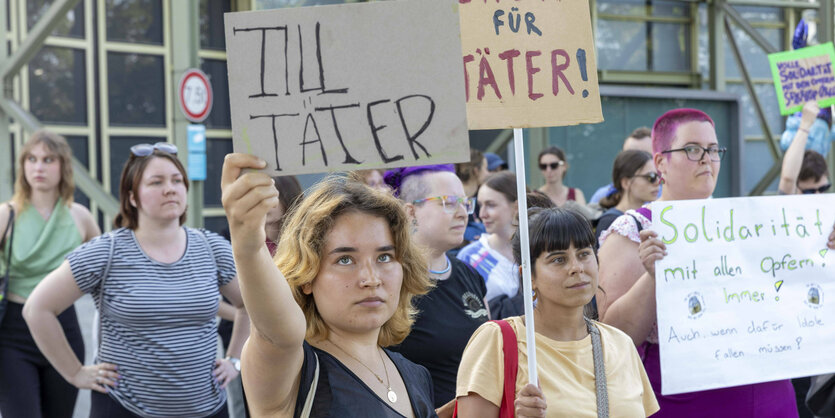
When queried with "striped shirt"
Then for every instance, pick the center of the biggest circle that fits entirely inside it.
(158, 320)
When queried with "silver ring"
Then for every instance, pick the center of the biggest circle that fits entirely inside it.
(101, 372)
(98, 379)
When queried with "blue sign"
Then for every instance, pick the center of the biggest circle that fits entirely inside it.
(197, 152)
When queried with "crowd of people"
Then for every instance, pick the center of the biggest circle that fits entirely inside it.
(376, 294)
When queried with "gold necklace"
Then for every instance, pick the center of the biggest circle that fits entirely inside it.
(391, 395)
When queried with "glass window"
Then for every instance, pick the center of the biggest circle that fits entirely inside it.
(119, 153)
(138, 21)
(754, 57)
(621, 45)
(277, 4)
(671, 47)
(216, 150)
(217, 224)
(643, 8)
(58, 85)
(72, 26)
(212, 35)
(768, 100)
(136, 89)
(219, 117)
(80, 149)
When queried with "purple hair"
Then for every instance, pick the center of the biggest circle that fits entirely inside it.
(394, 178)
(664, 129)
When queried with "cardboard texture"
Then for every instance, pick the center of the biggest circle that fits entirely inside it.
(803, 75)
(529, 63)
(333, 88)
(745, 292)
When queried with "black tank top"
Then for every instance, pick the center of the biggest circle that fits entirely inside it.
(340, 393)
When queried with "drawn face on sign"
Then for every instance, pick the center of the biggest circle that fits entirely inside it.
(685, 178)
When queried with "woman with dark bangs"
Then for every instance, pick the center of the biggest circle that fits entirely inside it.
(583, 365)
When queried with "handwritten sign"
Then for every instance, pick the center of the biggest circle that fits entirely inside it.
(802, 76)
(348, 87)
(529, 63)
(746, 293)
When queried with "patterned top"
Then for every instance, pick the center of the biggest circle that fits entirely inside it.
(625, 225)
(158, 320)
(500, 274)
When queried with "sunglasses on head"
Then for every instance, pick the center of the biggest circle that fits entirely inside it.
(821, 189)
(650, 177)
(144, 150)
(553, 166)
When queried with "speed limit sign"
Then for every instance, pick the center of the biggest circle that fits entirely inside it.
(195, 95)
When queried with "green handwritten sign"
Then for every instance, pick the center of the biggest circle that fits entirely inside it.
(802, 76)
(743, 294)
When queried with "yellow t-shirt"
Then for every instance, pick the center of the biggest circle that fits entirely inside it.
(565, 369)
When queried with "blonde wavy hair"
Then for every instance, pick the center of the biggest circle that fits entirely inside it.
(302, 243)
(56, 144)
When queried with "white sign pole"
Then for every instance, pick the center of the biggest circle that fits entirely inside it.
(521, 199)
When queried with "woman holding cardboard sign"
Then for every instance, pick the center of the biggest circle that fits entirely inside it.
(688, 157)
(586, 368)
(340, 289)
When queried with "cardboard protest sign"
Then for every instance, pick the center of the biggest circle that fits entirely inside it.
(348, 87)
(803, 75)
(743, 295)
(529, 63)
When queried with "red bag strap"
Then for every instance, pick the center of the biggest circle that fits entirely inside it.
(511, 365)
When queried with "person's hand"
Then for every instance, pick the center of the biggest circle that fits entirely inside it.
(96, 377)
(808, 116)
(831, 241)
(651, 250)
(530, 402)
(224, 372)
(246, 199)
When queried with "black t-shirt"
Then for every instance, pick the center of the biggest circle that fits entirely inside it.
(448, 315)
(340, 393)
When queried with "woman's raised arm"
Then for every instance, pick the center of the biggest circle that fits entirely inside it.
(273, 356)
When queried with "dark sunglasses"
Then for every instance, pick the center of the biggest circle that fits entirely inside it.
(552, 165)
(652, 178)
(821, 189)
(144, 150)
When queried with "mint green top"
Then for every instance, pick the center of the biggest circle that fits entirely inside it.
(39, 246)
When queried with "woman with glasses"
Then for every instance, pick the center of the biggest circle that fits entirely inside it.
(688, 158)
(38, 227)
(553, 165)
(437, 208)
(155, 283)
(636, 182)
(804, 172)
(491, 256)
(339, 290)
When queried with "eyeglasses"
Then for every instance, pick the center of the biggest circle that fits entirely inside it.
(652, 178)
(696, 153)
(821, 189)
(144, 150)
(552, 165)
(450, 203)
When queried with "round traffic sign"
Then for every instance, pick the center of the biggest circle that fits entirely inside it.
(195, 95)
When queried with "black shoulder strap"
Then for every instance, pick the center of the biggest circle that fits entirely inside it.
(637, 222)
(10, 232)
